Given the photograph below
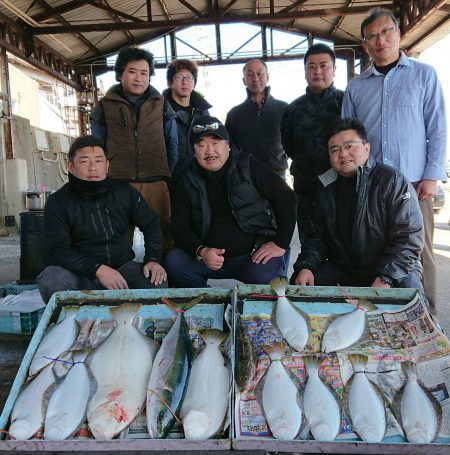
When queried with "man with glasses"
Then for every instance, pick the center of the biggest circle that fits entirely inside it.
(303, 125)
(138, 131)
(254, 125)
(366, 229)
(400, 102)
(188, 105)
(232, 217)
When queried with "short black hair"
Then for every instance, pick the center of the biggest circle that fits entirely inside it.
(374, 14)
(343, 125)
(84, 141)
(258, 60)
(181, 64)
(132, 54)
(320, 48)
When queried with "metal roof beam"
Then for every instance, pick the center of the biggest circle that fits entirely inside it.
(211, 19)
(66, 7)
(190, 7)
(103, 5)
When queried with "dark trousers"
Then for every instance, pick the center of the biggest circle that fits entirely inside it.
(185, 271)
(304, 212)
(56, 279)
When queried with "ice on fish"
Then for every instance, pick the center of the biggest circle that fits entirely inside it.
(292, 323)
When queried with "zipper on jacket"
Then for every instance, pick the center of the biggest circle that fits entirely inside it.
(123, 119)
(108, 253)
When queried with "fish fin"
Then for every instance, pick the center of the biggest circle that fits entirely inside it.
(409, 369)
(183, 306)
(276, 350)
(124, 311)
(312, 362)
(100, 331)
(366, 305)
(279, 286)
(358, 361)
(214, 336)
(62, 365)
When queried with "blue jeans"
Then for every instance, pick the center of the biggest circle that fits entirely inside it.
(185, 271)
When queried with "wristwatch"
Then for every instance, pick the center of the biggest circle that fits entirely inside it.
(198, 251)
(385, 279)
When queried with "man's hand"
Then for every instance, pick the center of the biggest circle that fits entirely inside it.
(379, 284)
(155, 272)
(266, 252)
(212, 257)
(110, 278)
(304, 278)
(426, 189)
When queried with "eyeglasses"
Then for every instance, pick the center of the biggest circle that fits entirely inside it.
(347, 147)
(180, 78)
(208, 127)
(385, 33)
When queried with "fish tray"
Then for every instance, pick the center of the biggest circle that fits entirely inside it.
(19, 322)
(213, 297)
(396, 307)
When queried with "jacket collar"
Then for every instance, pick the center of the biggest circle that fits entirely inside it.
(196, 101)
(267, 94)
(371, 70)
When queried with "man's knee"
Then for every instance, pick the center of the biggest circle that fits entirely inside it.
(53, 279)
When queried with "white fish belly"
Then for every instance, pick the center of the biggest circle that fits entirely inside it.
(419, 418)
(279, 399)
(58, 340)
(366, 410)
(28, 413)
(121, 367)
(67, 406)
(344, 331)
(292, 324)
(321, 410)
(206, 401)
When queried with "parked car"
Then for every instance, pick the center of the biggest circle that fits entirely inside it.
(439, 199)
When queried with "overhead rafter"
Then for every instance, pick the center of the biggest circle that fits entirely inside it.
(64, 8)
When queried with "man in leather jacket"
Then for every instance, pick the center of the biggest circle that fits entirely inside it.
(86, 245)
(232, 216)
(366, 228)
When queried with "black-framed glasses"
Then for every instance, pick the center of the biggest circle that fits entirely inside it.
(208, 127)
(347, 147)
(180, 78)
(385, 33)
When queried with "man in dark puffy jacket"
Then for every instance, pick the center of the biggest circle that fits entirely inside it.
(303, 125)
(232, 216)
(188, 105)
(85, 230)
(366, 229)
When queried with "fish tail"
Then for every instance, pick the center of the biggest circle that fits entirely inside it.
(124, 311)
(71, 310)
(367, 305)
(358, 361)
(276, 350)
(213, 336)
(312, 362)
(279, 286)
(184, 306)
(410, 369)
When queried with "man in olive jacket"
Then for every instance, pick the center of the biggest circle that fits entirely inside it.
(366, 228)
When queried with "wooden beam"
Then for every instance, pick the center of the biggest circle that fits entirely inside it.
(106, 7)
(425, 10)
(296, 4)
(66, 7)
(190, 7)
(443, 23)
(149, 10)
(251, 18)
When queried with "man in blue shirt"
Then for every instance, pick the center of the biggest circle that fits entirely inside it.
(401, 104)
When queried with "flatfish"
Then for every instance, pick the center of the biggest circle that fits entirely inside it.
(347, 329)
(29, 409)
(66, 410)
(58, 339)
(245, 356)
(280, 396)
(320, 404)
(420, 412)
(170, 375)
(206, 401)
(121, 366)
(365, 403)
(291, 322)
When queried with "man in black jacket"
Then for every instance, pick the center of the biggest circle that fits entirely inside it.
(86, 245)
(366, 229)
(303, 125)
(187, 104)
(232, 217)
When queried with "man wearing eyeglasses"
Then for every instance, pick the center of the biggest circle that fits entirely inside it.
(400, 102)
(366, 229)
(139, 132)
(232, 217)
(254, 125)
(302, 128)
(188, 105)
